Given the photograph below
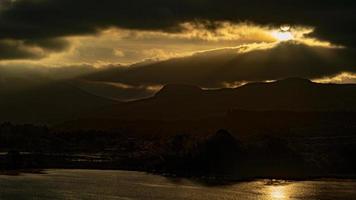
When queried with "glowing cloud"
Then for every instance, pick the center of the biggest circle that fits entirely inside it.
(341, 78)
(282, 36)
(125, 46)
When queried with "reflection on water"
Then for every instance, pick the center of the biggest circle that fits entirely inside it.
(279, 192)
(282, 192)
(102, 185)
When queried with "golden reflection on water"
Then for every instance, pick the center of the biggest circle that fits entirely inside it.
(280, 192)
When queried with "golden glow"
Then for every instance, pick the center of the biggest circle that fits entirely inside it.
(234, 84)
(123, 46)
(341, 78)
(278, 192)
(283, 191)
(285, 28)
(283, 35)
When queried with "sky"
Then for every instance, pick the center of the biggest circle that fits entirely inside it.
(209, 43)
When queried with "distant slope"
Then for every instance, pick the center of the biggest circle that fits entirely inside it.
(112, 90)
(60, 101)
(189, 102)
(52, 102)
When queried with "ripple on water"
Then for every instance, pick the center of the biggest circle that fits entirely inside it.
(102, 185)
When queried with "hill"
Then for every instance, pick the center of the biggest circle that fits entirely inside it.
(53, 102)
(184, 102)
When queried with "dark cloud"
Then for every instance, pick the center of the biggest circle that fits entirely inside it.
(16, 78)
(10, 50)
(52, 45)
(34, 71)
(214, 68)
(30, 49)
(38, 19)
(211, 69)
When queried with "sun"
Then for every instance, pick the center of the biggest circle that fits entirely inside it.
(282, 36)
(285, 28)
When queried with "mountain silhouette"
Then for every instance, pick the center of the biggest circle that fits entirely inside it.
(179, 91)
(183, 102)
(61, 101)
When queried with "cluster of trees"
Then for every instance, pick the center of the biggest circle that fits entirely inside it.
(221, 154)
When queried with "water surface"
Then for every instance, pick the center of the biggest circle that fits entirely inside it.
(123, 185)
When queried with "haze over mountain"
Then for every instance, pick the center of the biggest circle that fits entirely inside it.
(50, 103)
(61, 101)
(232, 66)
(191, 102)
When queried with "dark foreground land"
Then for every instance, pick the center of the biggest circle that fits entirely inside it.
(240, 145)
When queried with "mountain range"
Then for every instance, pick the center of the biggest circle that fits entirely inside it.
(61, 101)
(181, 102)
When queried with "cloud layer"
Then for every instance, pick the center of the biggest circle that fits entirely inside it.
(38, 19)
(226, 67)
(210, 43)
(215, 68)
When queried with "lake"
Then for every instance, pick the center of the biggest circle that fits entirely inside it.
(124, 185)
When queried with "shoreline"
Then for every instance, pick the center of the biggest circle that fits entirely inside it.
(207, 179)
